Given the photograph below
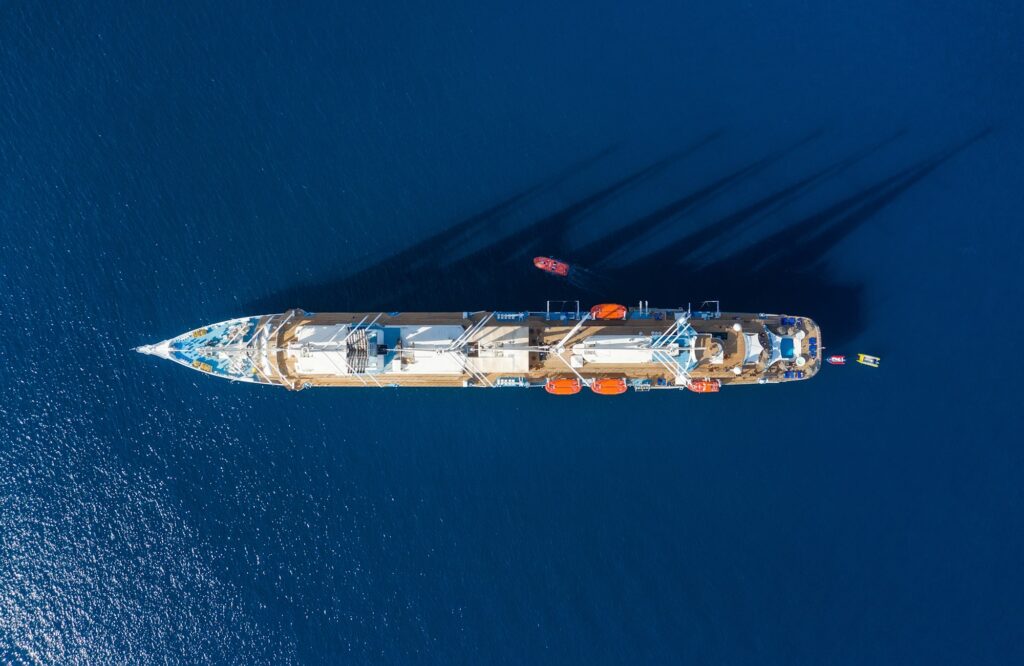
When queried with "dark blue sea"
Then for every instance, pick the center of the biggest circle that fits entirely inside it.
(168, 165)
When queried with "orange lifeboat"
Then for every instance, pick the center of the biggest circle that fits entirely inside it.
(609, 386)
(563, 386)
(704, 385)
(608, 311)
(551, 265)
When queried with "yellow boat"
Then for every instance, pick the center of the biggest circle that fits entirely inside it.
(871, 361)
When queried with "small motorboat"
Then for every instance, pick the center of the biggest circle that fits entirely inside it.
(563, 386)
(836, 359)
(609, 311)
(551, 265)
(704, 385)
(608, 386)
(870, 361)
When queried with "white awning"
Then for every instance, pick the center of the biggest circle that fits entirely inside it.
(753, 348)
(422, 350)
(619, 349)
(502, 349)
(317, 350)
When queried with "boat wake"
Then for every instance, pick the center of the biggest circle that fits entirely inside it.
(588, 279)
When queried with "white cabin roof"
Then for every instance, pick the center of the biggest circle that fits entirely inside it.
(421, 350)
(309, 353)
(618, 349)
(494, 357)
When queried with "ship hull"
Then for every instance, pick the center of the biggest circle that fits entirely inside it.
(649, 349)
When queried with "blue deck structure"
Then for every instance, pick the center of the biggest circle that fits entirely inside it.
(218, 349)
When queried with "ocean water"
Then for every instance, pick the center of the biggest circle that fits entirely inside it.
(169, 165)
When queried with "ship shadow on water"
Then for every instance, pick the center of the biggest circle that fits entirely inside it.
(784, 270)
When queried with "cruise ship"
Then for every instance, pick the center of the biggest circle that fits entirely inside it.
(608, 349)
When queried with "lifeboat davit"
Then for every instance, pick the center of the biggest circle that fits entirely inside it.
(608, 311)
(704, 385)
(609, 386)
(563, 386)
(836, 359)
(551, 265)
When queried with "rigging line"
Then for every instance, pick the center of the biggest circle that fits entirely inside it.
(574, 371)
(349, 368)
(374, 379)
(664, 336)
(464, 363)
(575, 329)
(259, 372)
(667, 363)
(470, 332)
(679, 371)
(291, 313)
(236, 335)
(351, 330)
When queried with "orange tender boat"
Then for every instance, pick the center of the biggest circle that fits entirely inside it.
(704, 385)
(608, 311)
(563, 386)
(609, 386)
(551, 265)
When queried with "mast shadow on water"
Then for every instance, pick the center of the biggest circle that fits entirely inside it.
(785, 270)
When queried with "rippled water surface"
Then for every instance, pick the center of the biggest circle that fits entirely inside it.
(166, 166)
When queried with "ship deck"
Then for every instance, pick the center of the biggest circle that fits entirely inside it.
(543, 331)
